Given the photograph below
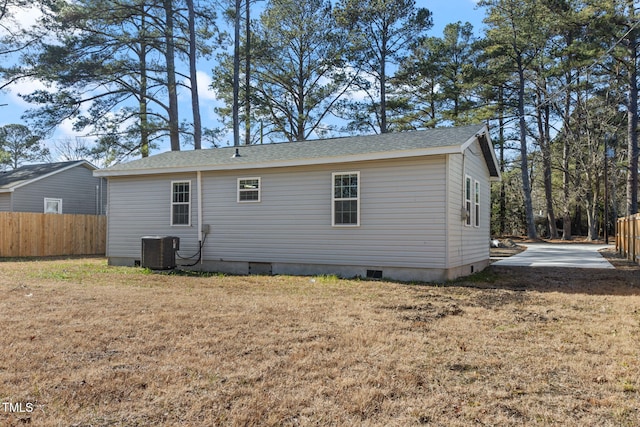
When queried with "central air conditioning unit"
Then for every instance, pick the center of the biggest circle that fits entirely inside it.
(159, 252)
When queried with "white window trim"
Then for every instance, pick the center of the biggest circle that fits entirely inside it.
(468, 200)
(476, 203)
(180, 203)
(259, 189)
(333, 199)
(50, 199)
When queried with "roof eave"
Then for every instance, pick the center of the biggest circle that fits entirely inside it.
(383, 155)
(82, 163)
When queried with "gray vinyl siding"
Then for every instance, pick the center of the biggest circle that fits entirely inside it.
(401, 213)
(142, 207)
(468, 244)
(5, 202)
(402, 224)
(76, 187)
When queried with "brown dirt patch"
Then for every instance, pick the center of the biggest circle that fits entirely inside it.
(87, 344)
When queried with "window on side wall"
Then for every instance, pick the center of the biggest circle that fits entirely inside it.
(345, 209)
(249, 190)
(52, 205)
(476, 206)
(467, 200)
(181, 203)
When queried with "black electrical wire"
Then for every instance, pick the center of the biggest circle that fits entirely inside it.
(198, 254)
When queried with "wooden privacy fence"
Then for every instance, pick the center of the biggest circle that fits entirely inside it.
(24, 234)
(628, 237)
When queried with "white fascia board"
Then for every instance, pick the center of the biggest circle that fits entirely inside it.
(494, 159)
(451, 149)
(484, 131)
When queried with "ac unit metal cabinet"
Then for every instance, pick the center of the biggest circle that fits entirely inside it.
(159, 252)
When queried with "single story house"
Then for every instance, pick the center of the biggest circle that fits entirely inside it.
(62, 187)
(411, 206)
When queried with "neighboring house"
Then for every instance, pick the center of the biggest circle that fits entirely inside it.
(64, 187)
(406, 206)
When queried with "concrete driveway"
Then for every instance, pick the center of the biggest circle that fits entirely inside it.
(558, 255)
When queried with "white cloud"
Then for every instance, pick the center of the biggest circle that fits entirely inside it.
(205, 93)
(65, 130)
(204, 87)
(23, 87)
(19, 18)
(27, 17)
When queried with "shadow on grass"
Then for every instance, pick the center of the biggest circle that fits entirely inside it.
(619, 282)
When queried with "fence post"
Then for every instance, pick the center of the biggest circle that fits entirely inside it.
(619, 230)
(627, 249)
(630, 251)
(627, 239)
(636, 241)
(618, 239)
(619, 236)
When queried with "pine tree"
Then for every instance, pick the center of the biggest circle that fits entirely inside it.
(381, 33)
(518, 32)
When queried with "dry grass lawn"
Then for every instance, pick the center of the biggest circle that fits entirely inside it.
(84, 344)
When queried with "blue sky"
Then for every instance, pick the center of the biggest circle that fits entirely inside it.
(443, 11)
(448, 11)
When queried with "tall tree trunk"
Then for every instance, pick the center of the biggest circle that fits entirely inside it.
(383, 88)
(526, 183)
(632, 124)
(566, 191)
(545, 147)
(236, 75)
(247, 76)
(503, 190)
(193, 76)
(299, 119)
(144, 119)
(591, 203)
(566, 153)
(174, 133)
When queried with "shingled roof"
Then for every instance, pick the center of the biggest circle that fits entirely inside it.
(321, 151)
(9, 180)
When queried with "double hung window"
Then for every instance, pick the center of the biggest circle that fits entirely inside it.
(467, 200)
(476, 207)
(346, 199)
(472, 202)
(181, 203)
